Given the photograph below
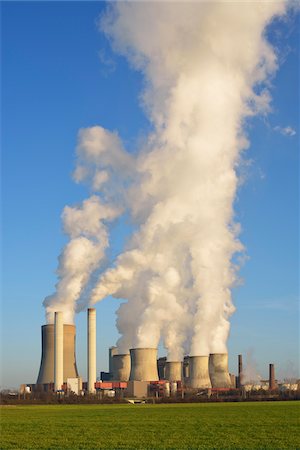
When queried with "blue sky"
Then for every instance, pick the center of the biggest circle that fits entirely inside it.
(59, 75)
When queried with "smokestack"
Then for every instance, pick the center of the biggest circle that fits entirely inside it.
(186, 368)
(91, 369)
(46, 372)
(143, 364)
(218, 370)
(161, 367)
(272, 384)
(173, 370)
(198, 371)
(58, 350)
(121, 367)
(240, 369)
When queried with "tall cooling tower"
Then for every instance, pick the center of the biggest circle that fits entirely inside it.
(218, 370)
(46, 373)
(121, 367)
(173, 370)
(143, 364)
(198, 371)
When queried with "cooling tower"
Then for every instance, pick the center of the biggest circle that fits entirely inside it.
(143, 364)
(58, 350)
(111, 352)
(121, 367)
(198, 371)
(218, 370)
(91, 349)
(46, 373)
(173, 370)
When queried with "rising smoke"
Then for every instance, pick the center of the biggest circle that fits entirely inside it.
(99, 156)
(206, 67)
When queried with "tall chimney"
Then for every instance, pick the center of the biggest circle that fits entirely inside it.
(91, 350)
(161, 367)
(186, 368)
(173, 370)
(218, 370)
(46, 372)
(58, 350)
(240, 369)
(121, 367)
(143, 364)
(272, 384)
(198, 371)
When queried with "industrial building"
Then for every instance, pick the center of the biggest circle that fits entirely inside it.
(140, 373)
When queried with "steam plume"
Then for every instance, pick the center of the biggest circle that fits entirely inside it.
(205, 65)
(99, 154)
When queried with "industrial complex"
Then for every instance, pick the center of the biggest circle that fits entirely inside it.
(139, 374)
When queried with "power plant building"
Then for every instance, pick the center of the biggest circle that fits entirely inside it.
(46, 372)
(198, 372)
(218, 370)
(143, 364)
(121, 367)
(139, 373)
(173, 370)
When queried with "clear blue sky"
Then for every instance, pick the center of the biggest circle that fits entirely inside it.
(53, 83)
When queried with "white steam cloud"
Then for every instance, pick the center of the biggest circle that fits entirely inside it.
(206, 66)
(99, 155)
(285, 131)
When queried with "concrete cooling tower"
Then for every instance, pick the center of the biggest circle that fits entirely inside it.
(173, 370)
(121, 367)
(198, 372)
(143, 364)
(46, 373)
(218, 370)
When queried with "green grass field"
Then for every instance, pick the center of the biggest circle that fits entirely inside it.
(259, 425)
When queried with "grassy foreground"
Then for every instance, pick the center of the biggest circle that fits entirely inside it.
(259, 425)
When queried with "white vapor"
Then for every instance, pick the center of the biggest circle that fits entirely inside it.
(101, 158)
(99, 155)
(206, 67)
(285, 131)
(250, 372)
(82, 254)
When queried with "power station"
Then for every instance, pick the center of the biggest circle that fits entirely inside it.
(67, 349)
(135, 372)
